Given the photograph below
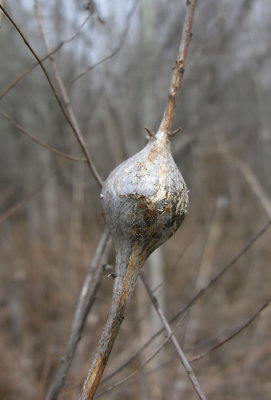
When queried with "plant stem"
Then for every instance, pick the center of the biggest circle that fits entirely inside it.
(125, 281)
(179, 68)
(172, 338)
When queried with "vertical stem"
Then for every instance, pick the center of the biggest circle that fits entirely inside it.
(127, 272)
(177, 76)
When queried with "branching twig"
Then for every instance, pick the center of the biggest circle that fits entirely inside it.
(174, 341)
(177, 76)
(83, 307)
(40, 142)
(194, 299)
(29, 69)
(70, 122)
(235, 333)
(111, 55)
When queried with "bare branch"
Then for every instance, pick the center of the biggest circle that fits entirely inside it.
(235, 333)
(111, 55)
(40, 142)
(78, 136)
(29, 69)
(85, 302)
(178, 72)
(194, 299)
(250, 177)
(174, 341)
(12, 210)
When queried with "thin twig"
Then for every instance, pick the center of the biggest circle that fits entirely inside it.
(40, 142)
(194, 299)
(29, 69)
(190, 373)
(139, 369)
(111, 55)
(178, 72)
(85, 302)
(77, 134)
(16, 207)
(250, 177)
(235, 333)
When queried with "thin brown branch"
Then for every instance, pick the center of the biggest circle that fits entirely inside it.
(40, 142)
(190, 373)
(194, 299)
(78, 136)
(85, 302)
(29, 69)
(250, 177)
(179, 68)
(235, 333)
(134, 373)
(150, 132)
(111, 55)
(16, 207)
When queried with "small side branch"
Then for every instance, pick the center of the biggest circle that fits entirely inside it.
(235, 333)
(40, 142)
(174, 341)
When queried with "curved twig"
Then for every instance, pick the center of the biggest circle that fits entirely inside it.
(235, 333)
(29, 69)
(75, 131)
(40, 142)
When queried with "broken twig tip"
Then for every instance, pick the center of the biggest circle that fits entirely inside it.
(150, 132)
(174, 133)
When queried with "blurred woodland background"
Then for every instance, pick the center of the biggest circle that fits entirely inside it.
(117, 69)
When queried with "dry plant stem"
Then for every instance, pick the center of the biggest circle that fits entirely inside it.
(195, 298)
(40, 142)
(78, 136)
(173, 340)
(123, 287)
(29, 69)
(177, 76)
(235, 333)
(85, 302)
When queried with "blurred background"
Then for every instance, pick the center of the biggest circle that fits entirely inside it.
(117, 69)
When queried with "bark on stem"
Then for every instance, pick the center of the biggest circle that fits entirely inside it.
(123, 287)
(179, 68)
